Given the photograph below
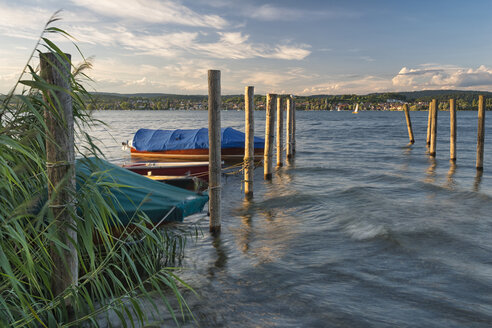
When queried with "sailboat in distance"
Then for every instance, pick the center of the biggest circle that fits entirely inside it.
(356, 110)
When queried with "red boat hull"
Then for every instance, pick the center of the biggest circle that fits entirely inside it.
(199, 170)
(233, 154)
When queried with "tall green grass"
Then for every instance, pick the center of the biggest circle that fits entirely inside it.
(116, 275)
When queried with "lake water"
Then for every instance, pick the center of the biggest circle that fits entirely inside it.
(359, 231)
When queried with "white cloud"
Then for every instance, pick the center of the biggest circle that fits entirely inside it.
(236, 46)
(290, 52)
(28, 22)
(268, 12)
(185, 76)
(424, 77)
(230, 45)
(287, 81)
(444, 77)
(361, 85)
(266, 79)
(22, 22)
(152, 11)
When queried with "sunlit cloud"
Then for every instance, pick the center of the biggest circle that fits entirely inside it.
(152, 11)
(444, 77)
(21, 22)
(186, 76)
(28, 22)
(236, 46)
(269, 12)
(230, 45)
(362, 85)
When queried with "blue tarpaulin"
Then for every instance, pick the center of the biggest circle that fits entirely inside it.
(161, 140)
(155, 199)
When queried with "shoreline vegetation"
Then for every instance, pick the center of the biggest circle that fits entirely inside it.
(121, 276)
(417, 100)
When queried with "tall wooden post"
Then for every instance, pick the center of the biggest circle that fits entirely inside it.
(452, 130)
(481, 132)
(280, 132)
(249, 145)
(214, 142)
(60, 167)
(434, 128)
(269, 131)
(409, 123)
(288, 142)
(294, 122)
(429, 123)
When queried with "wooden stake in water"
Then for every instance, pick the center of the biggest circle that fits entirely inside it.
(452, 130)
(435, 110)
(429, 123)
(409, 123)
(289, 128)
(481, 132)
(60, 167)
(249, 146)
(294, 122)
(280, 132)
(214, 157)
(269, 131)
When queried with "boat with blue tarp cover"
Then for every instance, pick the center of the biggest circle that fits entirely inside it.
(159, 201)
(190, 144)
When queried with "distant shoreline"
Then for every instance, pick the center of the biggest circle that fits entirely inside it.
(417, 101)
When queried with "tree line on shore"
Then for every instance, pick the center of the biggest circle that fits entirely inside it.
(418, 100)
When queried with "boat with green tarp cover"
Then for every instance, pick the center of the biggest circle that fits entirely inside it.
(159, 201)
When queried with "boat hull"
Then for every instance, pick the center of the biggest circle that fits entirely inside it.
(227, 154)
(194, 169)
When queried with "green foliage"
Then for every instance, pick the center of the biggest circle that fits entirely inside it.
(116, 275)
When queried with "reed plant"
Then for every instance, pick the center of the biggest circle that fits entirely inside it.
(119, 276)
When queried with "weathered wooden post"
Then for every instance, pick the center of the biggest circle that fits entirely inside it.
(409, 124)
(249, 145)
(280, 132)
(269, 131)
(435, 110)
(481, 132)
(294, 122)
(60, 167)
(288, 142)
(452, 130)
(429, 123)
(214, 156)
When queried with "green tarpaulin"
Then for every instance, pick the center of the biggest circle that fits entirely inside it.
(155, 199)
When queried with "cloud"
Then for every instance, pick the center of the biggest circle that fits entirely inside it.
(152, 11)
(236, 46)
(444, 77)
(284, 82)
(266, 79)
(268, 12)
(185, 76)
(22, 22)
(230, 45)
(360, 85)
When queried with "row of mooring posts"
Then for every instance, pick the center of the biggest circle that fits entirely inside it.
(275, 113)
(432, 129)
(274, 109)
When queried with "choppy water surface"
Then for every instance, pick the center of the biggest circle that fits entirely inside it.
(359, 231)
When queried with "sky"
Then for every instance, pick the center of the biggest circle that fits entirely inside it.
(281, 46)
